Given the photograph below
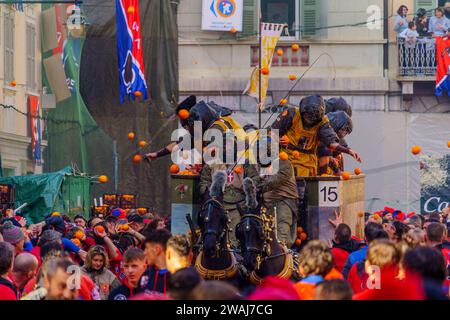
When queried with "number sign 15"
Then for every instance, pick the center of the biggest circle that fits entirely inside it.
(329, 194)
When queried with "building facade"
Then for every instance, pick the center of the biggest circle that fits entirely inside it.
(20, 65)
(347, 48)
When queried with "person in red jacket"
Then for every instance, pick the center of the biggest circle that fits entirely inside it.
(24, 271)
(8, 290)
(384, 282)
(343, 245)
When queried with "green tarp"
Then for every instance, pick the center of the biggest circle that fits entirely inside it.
(44, 193)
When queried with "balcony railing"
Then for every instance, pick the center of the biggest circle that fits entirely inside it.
(290, 58)
(417, 61)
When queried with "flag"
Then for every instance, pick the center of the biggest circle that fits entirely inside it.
(270, 35)
(35, 122)
(443, 65)
(129, 48)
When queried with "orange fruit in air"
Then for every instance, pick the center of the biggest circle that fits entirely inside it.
(358, 171)
(265, 71)
(131, 135)
(295, 47)
(283, 102)
(137, 158)
(346, 175)
(174, 169)
(76, 242)
(142, 143)
(376, 216)
(138, 94)
(296, 154)
(299, 230)
(100, 229)
(303, 236)
(448, 144)
(284, 156)
(280, 52)
(131, 10)
(233, 30)
(416, 150)
(79, 234)
(238, 170)
(183, 114)
(360, 214)
(298, 242)
(292, 77)
(13, 83)
(103, 179)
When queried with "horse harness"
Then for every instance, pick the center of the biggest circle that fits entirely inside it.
(291, 262)
(221, 274)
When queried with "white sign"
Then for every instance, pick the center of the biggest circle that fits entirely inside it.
(328, 193)
(222, 15)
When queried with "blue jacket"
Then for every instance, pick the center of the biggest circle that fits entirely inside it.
(354, 257)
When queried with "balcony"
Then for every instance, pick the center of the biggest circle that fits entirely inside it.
(417, 63)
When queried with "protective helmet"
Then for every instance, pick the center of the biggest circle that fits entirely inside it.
(338, 104)
(203, 112)
(312, 110)
(187, 103)
(341, 123)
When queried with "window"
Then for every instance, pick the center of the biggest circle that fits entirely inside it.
(301, 16)
(281, 11)
(428, 5)
(9, 46)
(31, 57)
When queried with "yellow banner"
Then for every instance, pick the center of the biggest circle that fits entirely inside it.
(270, 34)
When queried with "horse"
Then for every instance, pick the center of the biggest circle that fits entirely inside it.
(215, 260)
(263, 254)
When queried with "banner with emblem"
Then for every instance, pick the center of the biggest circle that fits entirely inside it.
(222, 15)
(35, 128)
(270, 35)
(443, 66)
(129, 50)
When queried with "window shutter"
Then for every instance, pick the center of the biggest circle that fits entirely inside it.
(9, 43)
(310, 18)
(33, 58)
(28, 44)
(428, 5)
(249, 20)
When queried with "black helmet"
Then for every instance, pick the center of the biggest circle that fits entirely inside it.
(341, 123)
(203, 112)
(421, 12)
(187, 104)
(312, 110)
(338, 104)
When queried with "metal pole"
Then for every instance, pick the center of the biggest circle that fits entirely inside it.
(260, 74)
(116, 167)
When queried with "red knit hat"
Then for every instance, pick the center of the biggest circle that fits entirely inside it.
(273, 288)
